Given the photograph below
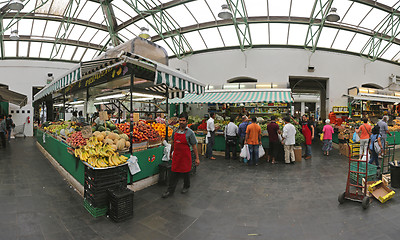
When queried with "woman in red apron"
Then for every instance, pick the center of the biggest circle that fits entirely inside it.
(181, 158)
(308, 135)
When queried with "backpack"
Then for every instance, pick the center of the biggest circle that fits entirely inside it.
(375, 145)
(9, 123)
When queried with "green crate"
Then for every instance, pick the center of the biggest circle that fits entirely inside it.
(95, 212)
(372, 169)
(353, 176)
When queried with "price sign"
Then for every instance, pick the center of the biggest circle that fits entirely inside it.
(135, 117)
(103, 115)
(87, 131)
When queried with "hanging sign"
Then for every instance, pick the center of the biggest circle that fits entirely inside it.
(103, 116)
(135, 117)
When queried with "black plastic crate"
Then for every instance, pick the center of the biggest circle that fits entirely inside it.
(120, 204)
(104, 173)
(104, 182)
(94, 188)
(164, 173)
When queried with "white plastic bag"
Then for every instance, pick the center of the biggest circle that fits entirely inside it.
(133, 165)
(244, 153)
(261, 151)
(167, 151)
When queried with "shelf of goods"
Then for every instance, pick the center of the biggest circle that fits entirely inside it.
(258, 109)
(148, 159)
(373, 109)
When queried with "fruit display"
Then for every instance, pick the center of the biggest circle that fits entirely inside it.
(98, 154)
(124, 127)
(148, 132)
(76, 140)
(56, 127)
(109, 126)
(118, 142)
(160, 128)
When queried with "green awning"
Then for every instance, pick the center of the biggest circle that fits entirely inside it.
(238, 96)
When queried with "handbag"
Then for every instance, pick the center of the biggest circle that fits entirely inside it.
(321, 137)
(261, 151)
(377, 148)
(244, 151)
(355, 138)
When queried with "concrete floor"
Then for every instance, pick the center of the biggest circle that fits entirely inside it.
(227, 200)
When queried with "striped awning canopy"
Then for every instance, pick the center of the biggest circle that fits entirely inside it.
(176, 82)
(239, 96)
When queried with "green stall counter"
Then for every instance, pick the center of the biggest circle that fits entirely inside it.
(335, 137)
(148, 160)
(220, 142)
(394, 139)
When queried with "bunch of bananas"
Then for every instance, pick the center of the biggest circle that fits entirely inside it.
(99, 155)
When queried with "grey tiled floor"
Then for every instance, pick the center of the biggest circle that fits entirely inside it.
(227, 201)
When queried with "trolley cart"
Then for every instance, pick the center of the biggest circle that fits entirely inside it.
(355, 191)
(388, 156)
(19, 131)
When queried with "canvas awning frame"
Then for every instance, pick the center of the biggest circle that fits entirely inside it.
(13, 97)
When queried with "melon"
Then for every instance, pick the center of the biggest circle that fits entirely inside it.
(108, 141)
(124, 136)
(114, 147)
(127, 144)
(100, 137)
(121, 144)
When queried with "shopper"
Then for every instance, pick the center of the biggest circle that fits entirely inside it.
(242, 132)
(3, 130)
(253, 139)
(289, 140)
(384, 131)
(231, 137)
(273, 131)
(375, 136)
(327, 131)
(74, 116)
(210, 137)
(307, 129)
(364, 132)
(81, 119)
(9, 125)
(184, 146)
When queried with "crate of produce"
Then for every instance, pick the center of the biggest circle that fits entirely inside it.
(120, 206)
(95, 212)
(136, 147)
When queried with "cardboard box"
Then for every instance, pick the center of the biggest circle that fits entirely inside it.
(380, 191)
(297, 153)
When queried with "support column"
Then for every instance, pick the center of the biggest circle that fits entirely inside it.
(303, 108)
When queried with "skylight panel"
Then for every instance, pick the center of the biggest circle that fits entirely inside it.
(98, 17)
(78, 54)
(89, 55)
(391, 52)
(38, 26)
(256, 8)
(342, 40)
(301, 8)
(75, 32)
(34, 49)
(356, 13)
(163, 44)
(195, 40)
(22, 49)
(51, 29)
(297, 34)
(259, 33)
(200, 11)
(121, 13)
(88, 10)
(212, 38)
(278, 33)
(88, 34)
(99, 36)
(373, 19)
(24, 27)
(127, 35)
(10, 48)
(358, 42)
(326, 38)
(49, 49)
(279, 8)
(229, 36)
(68, 52)
(181, 15)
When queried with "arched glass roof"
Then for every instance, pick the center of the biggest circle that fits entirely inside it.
(79, 30)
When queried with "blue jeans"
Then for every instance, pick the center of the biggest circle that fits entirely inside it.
(253, 149)
(308, 150)
(374, 158)
(9, 135)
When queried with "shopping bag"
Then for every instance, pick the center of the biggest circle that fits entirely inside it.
(321, 136)
(377, 148)
(167, 150)
(133, 165)
(280, 137)
(356, 138)
(261, 151)
(244, 151)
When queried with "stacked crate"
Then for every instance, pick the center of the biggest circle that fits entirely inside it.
(98, 181)
(372, 172)
(120, 206)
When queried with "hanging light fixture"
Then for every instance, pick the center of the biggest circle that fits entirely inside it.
(16, 5)
(144, 32)
(333, 16)
(14, 35)
(225, 12)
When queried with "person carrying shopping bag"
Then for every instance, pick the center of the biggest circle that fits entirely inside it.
(365, 132)
(375, 146)
(327, 131)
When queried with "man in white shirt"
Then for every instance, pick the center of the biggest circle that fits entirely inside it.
(231, 132)
(288, 140)
(210, 136)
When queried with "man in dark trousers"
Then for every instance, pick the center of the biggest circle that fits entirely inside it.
(3, 130)
(10, 125)
(231, 133)
(273, 130)
(184, 147)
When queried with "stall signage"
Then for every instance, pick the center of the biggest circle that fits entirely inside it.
(135, 117)
(103, 116)
(99, 78)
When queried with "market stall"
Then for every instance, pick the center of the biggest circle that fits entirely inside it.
(262, 103)
(120, 79)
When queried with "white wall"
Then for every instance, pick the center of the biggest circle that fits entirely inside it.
(21, 76)
(278, 64)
